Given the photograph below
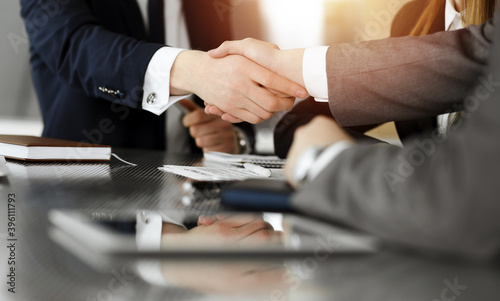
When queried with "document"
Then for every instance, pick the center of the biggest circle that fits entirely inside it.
(264, 161)
(219, 173)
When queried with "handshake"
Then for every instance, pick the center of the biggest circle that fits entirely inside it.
(251, 80)
(247, 80)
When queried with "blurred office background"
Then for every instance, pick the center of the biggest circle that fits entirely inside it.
(288, 23)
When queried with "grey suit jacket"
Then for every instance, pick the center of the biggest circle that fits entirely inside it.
(405, 78)
(437, 194)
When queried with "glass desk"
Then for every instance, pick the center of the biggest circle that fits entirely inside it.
(44, 270)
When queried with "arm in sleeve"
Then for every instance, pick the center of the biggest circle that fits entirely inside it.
(157, 81)
(74, 46)
(438, 194)
(405, 78)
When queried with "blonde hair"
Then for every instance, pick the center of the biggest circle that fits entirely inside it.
(475, 12)
(427, 18)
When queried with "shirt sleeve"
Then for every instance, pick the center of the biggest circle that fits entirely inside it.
(148, 238)
(314, 72)
(157, 98)
(149, 226)
(148, 231)
(326, 157)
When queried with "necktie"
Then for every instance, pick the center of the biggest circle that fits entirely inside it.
(156, 12)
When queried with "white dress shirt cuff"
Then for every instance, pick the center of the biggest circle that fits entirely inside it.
(149, 226)
(157, 98)
(148, 238)
(314, 72)
(326, 157)
(148, 231)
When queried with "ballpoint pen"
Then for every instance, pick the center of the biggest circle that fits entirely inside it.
(261, 171)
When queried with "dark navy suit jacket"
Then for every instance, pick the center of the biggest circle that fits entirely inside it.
(78, 46)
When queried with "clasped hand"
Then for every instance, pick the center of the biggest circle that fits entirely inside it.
(286, 64)
(222, 230)
(238, 87)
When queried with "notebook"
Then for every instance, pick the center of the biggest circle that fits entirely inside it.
(31, 148)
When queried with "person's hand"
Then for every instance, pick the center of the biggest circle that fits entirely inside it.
(263, 53)
(223, 230)
(234, 84)
(264, 235)
(241, 228)
(286, 63)
(209, 132)
(204, 220)
(321, 131)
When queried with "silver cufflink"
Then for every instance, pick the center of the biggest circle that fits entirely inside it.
(151, 98)
(145, 217)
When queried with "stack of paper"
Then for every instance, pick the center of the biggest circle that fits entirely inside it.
(264, 161)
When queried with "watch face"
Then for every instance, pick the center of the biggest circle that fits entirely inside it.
(243, 145)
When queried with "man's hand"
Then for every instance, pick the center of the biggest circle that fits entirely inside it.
(241, 229)
(286, 63)
(321, 131)
(234, 84)
(210, 132)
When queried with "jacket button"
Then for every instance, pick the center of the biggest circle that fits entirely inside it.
(151, 98)
(120, 94)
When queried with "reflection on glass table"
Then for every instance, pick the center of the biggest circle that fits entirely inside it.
(104, 237)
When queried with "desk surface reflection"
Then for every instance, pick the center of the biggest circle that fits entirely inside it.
(47, 271)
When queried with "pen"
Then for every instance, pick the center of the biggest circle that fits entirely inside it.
(261, 171)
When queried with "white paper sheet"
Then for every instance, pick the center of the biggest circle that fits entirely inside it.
(217, 174)
(264, 161)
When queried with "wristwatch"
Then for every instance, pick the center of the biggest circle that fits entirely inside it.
(305, 162)
(243, 142)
